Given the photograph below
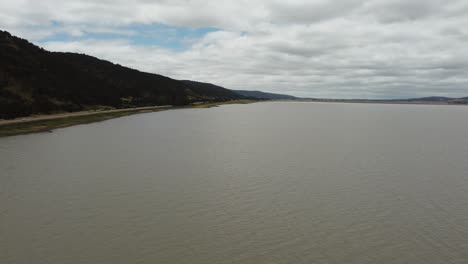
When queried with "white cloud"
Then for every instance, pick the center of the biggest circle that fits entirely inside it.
(349, 48)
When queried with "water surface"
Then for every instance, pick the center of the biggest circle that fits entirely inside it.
(258, 183)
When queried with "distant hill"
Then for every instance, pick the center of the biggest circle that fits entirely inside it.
(422, 100)
(431, 99)
(264, 95)
(33, 80)
(210, 90)
(438, 99)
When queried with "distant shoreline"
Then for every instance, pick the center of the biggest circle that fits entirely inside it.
(359, 101)
(396, 102)
(47, 123)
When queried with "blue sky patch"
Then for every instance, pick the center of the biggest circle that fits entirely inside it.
(170, 37)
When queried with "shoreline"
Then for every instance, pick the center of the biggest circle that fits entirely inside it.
(47, 123)
(387, 102)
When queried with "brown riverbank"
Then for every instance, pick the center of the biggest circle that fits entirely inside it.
(47, 123)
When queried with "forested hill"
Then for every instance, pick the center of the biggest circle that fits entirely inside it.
(265, 96)
(208, 89)
(33, 80)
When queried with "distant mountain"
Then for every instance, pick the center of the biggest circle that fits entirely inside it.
(33, 80)
(264, 95)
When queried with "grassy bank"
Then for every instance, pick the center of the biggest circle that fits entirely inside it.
(33, 126)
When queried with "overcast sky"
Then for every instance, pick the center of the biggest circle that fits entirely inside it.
(314, 48)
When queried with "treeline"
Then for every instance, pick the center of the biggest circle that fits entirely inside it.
(33, 80)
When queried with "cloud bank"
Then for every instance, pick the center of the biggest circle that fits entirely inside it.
(315, 48)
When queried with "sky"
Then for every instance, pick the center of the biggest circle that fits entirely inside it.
(372, 49)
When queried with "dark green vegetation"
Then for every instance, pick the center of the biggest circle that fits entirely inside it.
(214, 92)
(33, 81)
(265, 96)
(47, 125)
